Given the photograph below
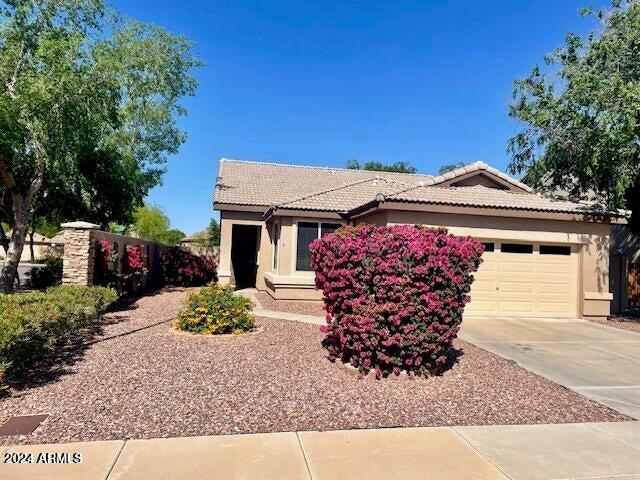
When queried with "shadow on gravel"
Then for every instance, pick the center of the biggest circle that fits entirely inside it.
(630, 318)
(66, 354)
(454, 357)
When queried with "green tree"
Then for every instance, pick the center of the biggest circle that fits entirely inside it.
(580, 114)
(47, 228)
(150, 223)
(172, 237)
(213, 237)
(87, 113)
(399, 167)
(451, 167)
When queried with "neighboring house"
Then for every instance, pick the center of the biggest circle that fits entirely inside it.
(194, 244)
(544, 257)
(41, 246)
(195, 239)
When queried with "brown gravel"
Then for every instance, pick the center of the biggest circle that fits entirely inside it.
(623, 322)
(304, 308)
(138, 379)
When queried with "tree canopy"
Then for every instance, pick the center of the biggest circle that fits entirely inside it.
(580, 114)
(172, 236)
(213, 237)
(87, 113)
(399, 167)
(152, 223)
(149, 223)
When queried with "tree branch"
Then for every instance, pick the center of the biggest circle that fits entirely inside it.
(6, 175)
(14, 78)
(41, 156)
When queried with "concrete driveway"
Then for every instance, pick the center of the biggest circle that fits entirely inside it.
(600, 362)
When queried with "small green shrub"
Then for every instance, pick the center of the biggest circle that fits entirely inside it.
(33, 324)
(215, 310)
(49, 275)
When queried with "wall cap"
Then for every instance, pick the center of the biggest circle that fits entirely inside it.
(80, 225)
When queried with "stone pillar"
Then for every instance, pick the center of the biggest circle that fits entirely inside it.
(79, 253)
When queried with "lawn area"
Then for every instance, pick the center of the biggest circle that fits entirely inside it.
(138, 378)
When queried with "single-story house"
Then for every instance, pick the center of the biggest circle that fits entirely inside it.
(195, 239)
(543, 257)
(41, 245)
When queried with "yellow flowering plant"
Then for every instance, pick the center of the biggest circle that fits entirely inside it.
(215, 310)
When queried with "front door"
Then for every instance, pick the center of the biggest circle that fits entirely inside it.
(244, 254)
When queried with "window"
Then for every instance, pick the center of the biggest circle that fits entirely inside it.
(555, 250)
(307, 233)
(517, 248)
(276, 245)
(489, 247)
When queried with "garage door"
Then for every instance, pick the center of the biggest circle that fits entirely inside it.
(525, 280)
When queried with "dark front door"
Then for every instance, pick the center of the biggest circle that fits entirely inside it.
(244, 254)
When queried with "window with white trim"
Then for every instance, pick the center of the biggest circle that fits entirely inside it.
(307, 233)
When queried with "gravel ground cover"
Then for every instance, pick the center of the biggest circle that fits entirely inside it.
(623, 322)
(137, 378)
(304, 308)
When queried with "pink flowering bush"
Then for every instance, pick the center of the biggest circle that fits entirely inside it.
(182, 268)
(394, 295)
(134, 267)
(106, 260)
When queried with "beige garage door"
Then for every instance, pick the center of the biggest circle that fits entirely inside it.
(525, 280)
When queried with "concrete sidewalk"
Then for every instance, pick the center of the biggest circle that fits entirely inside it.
(573, 451)
(259, 311)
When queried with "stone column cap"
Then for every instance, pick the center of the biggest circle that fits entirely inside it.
(80, 225)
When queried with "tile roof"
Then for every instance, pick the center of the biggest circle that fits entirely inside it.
(348, 197)
(267, 184)
(484, 197)
(276, 186)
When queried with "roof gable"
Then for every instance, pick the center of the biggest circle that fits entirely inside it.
(479, 173)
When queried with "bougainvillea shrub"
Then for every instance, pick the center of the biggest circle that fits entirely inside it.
(105, 266)
(134, 267)
(182, 268)
(394, 295)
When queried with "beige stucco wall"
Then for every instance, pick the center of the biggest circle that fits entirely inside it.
(591, 239)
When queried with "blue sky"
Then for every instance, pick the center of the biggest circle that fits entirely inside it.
(317, 83)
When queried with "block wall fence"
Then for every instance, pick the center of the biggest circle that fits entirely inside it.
(80, 239)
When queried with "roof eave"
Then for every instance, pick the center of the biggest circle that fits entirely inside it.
(490, 210)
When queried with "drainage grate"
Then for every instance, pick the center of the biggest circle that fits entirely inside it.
(21, 425)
